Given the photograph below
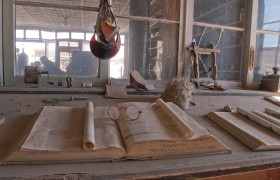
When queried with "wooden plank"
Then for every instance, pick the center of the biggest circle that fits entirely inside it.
(218, 26)
(170, 39)
(254, 175)
(250, 45)
(204, 50)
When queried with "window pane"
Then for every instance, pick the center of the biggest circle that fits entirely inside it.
(19, 34)
(267, 55)
(269, 15)
(32, 34)
(29, 54)
(68, 44)
(86, 46)
(117, 65)
(148, 46)
(229, 13)
(63, 35)
(88, 36)
(48, 35)
(229, 60)
(51, 50)
(82, 63)
(76, 35)
(122, 39)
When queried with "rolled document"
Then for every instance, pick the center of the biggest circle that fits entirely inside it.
(259, 120)
(185, 129)
(89, 137)
(268, 117)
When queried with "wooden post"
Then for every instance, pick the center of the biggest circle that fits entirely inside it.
(8, 40)
(1, 43)
(250, 45)
(214, 63)
(188, 23)
(170, 38)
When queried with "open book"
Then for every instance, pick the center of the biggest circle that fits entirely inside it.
(132, 130)
(258, 130)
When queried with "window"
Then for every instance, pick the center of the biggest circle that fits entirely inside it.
(215, 19)
(149, 44)
(268, 39)
(77, 35)
(47, 35)
(63, 35)
(28, 54)
(19, 34)
(88, 36)
(32, 34)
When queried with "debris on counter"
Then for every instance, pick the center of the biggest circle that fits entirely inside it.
(228, 108)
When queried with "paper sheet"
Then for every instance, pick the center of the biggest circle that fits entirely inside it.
(57, 129)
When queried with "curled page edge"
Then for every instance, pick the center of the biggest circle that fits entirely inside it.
(186, 130)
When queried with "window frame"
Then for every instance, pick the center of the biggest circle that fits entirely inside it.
(7, 75)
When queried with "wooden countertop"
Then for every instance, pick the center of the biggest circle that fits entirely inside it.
(20, 107)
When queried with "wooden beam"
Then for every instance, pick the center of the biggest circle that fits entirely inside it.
(268, 32)
(1, 44)
(8, 41)
(250, 45)
(204, 50)
(184, 59)
(61, 6)
(170, 39)
(218, 26)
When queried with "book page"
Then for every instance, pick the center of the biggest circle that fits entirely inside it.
(62, 129)
(153, 124)
(57, 129)
(62, 146)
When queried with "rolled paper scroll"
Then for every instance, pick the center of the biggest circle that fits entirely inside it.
(89, 136)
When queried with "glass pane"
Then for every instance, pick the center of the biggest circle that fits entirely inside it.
(82, 63)
(267, 55)
(32, 34)
(88, 36)
(68, 44)
(229, 59)
(63, 35)
(19, 34)
(48, 35)
(269, 15)
(76, 35)
(122, 39)
(51, 50)
(229, 13)
(28, 54)
(117, 65)
(148, 46)
(64, 60)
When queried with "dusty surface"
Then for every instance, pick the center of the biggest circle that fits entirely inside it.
(23, 106)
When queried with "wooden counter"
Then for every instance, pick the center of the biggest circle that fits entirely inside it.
(20, 107)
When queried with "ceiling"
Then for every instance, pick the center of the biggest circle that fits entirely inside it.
(56, 14)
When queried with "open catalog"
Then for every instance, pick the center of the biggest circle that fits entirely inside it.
(258, 130)
(131, 130)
